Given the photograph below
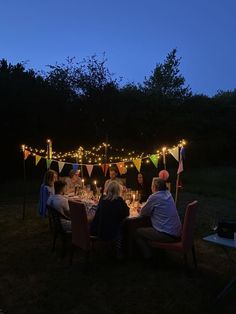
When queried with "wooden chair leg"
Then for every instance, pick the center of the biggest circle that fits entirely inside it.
(194, 256)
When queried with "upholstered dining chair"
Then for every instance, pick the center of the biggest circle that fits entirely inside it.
(186, 244)
(81, 237)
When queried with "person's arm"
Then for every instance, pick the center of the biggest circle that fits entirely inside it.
(125, 209)
(66, 208)
(147, 208)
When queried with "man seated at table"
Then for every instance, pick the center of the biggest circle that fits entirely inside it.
(61, 204)
(113, 177)
(166, 225)
(73, 181)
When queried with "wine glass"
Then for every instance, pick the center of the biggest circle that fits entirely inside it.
(214, 223)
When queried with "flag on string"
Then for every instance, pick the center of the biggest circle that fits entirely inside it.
(154, 159)
(175, 153)
(26, 154)
(105, 168)
(61, 165)
(121, 167)
(75, 167)
(89, 169)
(37, 159)
(182, 152)
(48, 162)
(181, 166)
(137, 163)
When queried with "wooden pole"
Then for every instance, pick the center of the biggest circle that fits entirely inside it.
(164, 156)
(24, 184)
(177, 183)
(177, 189)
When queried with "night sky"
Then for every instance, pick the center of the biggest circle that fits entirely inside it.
(134, 34)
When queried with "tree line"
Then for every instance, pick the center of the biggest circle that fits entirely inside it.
(83, 103)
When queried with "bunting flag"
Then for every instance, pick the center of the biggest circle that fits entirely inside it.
(26, 154)
(182, 152)
(154, 159)
(37, 159)
(89, 169)
(137, 163)
(121, 167)
(105, 167)
(61, 165)
(181, 166)
(175, 153)
(75, 167)
(48, 162)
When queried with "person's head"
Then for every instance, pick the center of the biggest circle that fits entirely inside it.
(50, 177)
(60, 187)
(113, 191)
(73, 174)
(140, 178)
(113, 173)
(158, 184)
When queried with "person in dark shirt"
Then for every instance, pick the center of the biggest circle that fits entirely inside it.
(143, 189)
(111, 212)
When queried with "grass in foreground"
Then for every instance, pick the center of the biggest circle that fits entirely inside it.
(35, 281)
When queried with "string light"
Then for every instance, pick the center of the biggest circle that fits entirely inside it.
(96, 155)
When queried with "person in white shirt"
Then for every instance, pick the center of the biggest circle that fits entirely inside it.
(166, 225)
(61, 204)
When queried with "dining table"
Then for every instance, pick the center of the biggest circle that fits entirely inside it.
(130, 223)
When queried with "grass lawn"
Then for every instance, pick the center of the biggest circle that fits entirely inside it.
(35, 280)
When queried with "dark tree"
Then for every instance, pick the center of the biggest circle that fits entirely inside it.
(166, 82)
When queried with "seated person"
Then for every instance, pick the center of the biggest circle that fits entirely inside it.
(143, 189)
(166, 225)
(61, 204)
(73, 181)
(113, 177)
(46, 189)
(111, 212)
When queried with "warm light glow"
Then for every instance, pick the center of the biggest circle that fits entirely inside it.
(96, 155)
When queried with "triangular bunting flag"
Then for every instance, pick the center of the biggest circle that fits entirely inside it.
(175, 153)
(37, 159)
(48, 161)
(181, 166)
(154, 159)
(89, 169)
(137, 163)
(75, 167)
(26, 154)
(60, 166)
(105, 167)
(121, 167)
(182, 152)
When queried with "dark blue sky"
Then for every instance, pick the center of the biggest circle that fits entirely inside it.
(135, 34)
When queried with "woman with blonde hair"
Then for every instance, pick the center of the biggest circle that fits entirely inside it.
(111, 212)
(46, 190)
